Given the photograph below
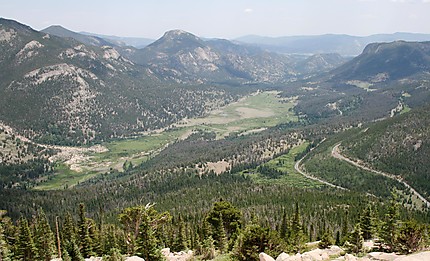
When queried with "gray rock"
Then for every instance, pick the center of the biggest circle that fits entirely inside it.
(283, 257)
(349, 257)
(134, 258)
(265, 257)
(415, 257)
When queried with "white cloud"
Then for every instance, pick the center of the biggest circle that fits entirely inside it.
(248, 10)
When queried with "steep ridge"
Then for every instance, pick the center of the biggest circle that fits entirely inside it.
(387, 61)
(58, 90)
(183, 57)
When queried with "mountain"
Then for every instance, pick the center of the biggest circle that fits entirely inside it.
(319, 63)
(136, 42)
(60, 31)
(384, 80)
(83, 93)
(184, 57)
(346, 45)
(387, 61)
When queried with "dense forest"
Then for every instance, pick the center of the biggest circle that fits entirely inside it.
(222, 230)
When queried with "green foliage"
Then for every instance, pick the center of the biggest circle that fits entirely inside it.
(397, 146)
(391, 225)
(326, 240)
(224, 217)
(368, 223)
(411, 237)
(114, 255)
(147, 243)
(355, 241)
(43, 237)
(296, 238)
(25, 247)
(84, 225)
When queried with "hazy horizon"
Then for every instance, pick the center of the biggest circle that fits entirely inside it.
(225, 19)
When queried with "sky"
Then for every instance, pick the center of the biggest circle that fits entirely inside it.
(223, 18)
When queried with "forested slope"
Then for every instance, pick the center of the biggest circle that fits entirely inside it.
(398, 146)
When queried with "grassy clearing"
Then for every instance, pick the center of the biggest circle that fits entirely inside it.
(255, 112)
(251, 114)
(136, 150)
(285, 163)
(64, 178)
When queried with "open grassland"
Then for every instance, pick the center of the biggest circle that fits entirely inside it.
(249, 115)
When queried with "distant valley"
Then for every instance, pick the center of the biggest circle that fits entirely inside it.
(305, 136)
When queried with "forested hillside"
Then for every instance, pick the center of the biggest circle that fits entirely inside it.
(398, 146)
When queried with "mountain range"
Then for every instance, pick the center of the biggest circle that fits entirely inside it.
(85, 89)
(343, 44)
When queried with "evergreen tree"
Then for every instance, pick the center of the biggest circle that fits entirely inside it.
(326, 240)
(344, 233)
(254, 240)
(208, 250)
(74, 253)
(86, 244)
(44, 237)
(180, 242)
(231, 218)
(68, 231)
(114, 255)
(390, 227)
(147, 246)
(65, 256)
(297, 237)
(222, 242)
(367, 223)
(355, 242)
(284, 225)
(25, 248)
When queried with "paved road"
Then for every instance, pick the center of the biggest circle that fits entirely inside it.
(336, 153)
(297, 168)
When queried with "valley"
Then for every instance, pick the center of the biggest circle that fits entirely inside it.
(251, 114)
(215, 146)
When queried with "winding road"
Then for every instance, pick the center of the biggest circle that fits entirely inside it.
(297, 168)
(335, 152)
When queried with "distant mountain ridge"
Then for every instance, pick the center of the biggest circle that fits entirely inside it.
(60, 31)
(137, 42)
(387, 61)
(329, 43)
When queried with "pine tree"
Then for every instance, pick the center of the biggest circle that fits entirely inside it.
(86, 244)
(355, 243)
(147, 246)
(68, 231)
(25, 248)
(222, 241)
(367, 222)
(284, 225)
(180, 242)
(114, 255)
(390, 227)
(326, 240)
(297, 238)
(44, 237)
